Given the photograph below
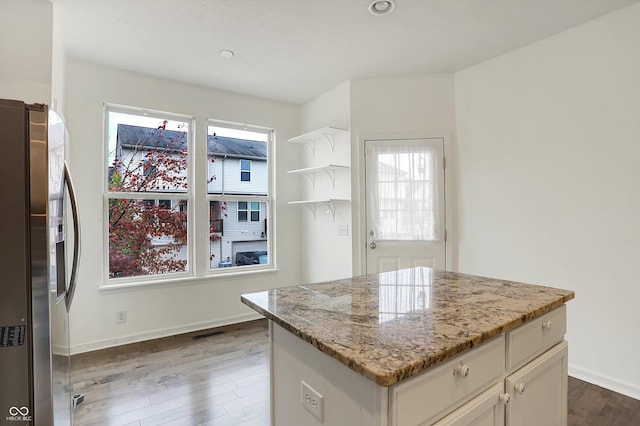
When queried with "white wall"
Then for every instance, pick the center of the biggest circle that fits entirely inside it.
(159, 310)
(420, 105)
(26, 34)
(548, 153)
(325, 254)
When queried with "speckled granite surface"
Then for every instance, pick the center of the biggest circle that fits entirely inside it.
(394, 325)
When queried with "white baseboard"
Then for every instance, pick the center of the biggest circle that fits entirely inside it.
(629, 389)
(159, 333)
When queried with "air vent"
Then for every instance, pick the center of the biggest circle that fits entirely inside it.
(205, 335)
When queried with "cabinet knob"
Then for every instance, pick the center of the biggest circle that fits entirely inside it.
(462, 370)
(505, 398)
(519, 388)
(546, 325)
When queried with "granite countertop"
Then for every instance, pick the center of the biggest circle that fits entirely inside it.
(393, 325)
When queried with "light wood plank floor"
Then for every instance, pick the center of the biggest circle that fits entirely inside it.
(223, 380)
(219, 380)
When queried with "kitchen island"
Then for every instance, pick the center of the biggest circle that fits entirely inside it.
(416, 346)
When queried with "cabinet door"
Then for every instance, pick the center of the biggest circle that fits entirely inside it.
(539, 390)
(487, 409)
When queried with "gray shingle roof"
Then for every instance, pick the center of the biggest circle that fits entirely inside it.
(137, 137)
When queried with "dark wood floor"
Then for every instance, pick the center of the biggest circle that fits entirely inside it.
(223, 380)
(592, 405)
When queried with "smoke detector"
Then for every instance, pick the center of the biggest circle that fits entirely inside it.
(381, 7)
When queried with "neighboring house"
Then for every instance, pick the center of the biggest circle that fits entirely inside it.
(238, 228)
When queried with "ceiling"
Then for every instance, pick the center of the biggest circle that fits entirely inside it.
(294, 50)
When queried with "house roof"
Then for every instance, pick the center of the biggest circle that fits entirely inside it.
(137, 137)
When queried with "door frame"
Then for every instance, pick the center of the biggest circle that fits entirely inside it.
(359, 206)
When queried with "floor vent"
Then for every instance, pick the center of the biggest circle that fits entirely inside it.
(204, 336)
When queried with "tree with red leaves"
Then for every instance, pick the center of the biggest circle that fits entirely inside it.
(154, 161)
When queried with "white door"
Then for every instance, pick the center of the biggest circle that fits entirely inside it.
(405, 205)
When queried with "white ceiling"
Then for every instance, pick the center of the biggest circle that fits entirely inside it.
(293, 50)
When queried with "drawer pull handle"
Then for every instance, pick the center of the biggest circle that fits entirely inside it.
(546, 325)
(462, 370)
(519, 388)
(505, 398)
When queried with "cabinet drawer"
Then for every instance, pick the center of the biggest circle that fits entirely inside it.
(530, 340)
(485, 409)
(435, 392)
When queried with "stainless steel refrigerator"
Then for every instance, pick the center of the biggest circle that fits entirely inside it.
(39, 265)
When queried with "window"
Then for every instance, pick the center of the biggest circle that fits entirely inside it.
(147, 193)
(151, 208)
(245, 170)
(248, 211)
(239, 192)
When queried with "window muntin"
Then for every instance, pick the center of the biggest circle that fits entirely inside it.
(149, 173)
(249, 211)
(147, 194)
(238, 194)
(245, 170)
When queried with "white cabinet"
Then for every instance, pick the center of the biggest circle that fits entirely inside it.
(539, 390)
(487, 409)
(516, 379)
(429, 396)
(519, 379)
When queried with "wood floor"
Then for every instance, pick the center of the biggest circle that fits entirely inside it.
(220, 380)
(223, 380)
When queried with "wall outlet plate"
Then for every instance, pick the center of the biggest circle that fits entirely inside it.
(312, 400)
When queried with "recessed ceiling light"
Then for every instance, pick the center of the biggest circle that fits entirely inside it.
(227, 54)
(381, 7)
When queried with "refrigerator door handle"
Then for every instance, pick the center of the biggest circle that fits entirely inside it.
(76, 237)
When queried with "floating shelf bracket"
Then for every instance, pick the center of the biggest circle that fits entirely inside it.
(326, 133)
(312, 205)
(329, 169)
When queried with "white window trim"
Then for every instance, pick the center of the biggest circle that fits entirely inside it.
(198, 206)
(247, 170)
(131, 281)
(203, 264)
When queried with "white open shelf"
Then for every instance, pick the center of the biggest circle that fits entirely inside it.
(325, 133)
(329, 169)
(330, 204)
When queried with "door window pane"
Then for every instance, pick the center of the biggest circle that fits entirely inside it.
(404, 195)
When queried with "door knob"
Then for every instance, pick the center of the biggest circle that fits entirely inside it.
(372, 245)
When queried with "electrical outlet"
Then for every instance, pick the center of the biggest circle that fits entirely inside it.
(121, 317)
(312, 400)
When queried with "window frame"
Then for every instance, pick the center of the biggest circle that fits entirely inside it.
(197, 198)
(269, 199)
(249, 210)
(247, 171)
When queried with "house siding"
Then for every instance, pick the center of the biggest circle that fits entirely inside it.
(239, 236)
(227, 177)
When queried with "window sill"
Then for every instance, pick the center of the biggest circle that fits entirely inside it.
(212, 278)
